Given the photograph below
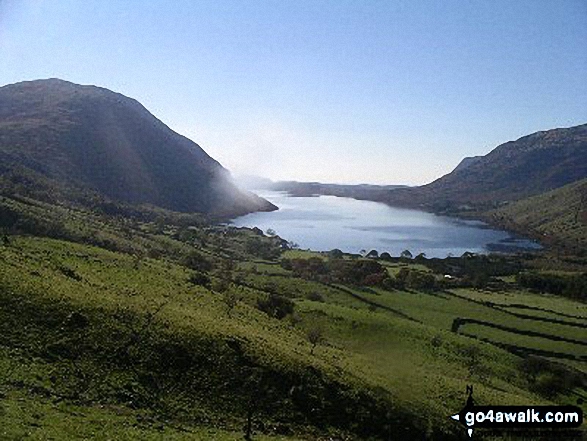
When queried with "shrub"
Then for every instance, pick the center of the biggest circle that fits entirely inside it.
(276, 306)
(230, 299)
(549, 379)
(196, 261)
(548, 384)
(200, 279)
(315, 297)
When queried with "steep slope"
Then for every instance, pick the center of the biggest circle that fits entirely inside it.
(466, 162)
(57, 133)
(558, 217)
(532, 165)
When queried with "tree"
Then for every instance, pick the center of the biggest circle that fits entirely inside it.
(420, 281)
(335, 254)
(230, 299)
(314, 336)
(4, 236)
(220, 285)
(372, 254)
(406, 254)
(401, 277)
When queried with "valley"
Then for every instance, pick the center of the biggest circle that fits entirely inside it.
(170, 328)
(130, 307)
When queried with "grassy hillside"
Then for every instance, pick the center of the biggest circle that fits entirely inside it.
(557, 218)
(144, 327)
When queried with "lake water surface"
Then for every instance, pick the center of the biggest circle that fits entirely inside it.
(323, 223)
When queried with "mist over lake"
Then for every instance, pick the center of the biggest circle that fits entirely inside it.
(323, 223)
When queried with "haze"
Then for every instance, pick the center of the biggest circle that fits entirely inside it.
(340, 91)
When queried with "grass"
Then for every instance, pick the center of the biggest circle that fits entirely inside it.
(114, 343)
(43, 419)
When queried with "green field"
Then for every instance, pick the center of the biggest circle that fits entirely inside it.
(147, 340)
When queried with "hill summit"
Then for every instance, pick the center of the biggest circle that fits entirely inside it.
(529, 166)
(55, 133)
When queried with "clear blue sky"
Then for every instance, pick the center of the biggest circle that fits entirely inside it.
(338, 91)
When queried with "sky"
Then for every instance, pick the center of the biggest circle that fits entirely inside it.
(383, 92)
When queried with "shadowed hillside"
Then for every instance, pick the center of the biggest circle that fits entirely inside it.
(76, 139)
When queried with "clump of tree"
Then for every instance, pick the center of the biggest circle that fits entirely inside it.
(364, 272)
(313, 268)
(352, 272)
(469, 265)
(196, 261)
(263, 247)
(417, 280)
(572, 286)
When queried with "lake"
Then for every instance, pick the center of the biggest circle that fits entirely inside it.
(323, 223)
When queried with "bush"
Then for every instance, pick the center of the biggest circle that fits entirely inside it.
(276, 306)
(315, 297)
(549, 379)
(548, 384)
(196, 261)
(200, 279)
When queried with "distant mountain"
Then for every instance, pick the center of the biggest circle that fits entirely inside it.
(466, 162)
(357, 191)
(532, 165)
(305, 189)
(253, 182)
(63, 136)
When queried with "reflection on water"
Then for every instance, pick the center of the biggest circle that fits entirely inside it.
(327, 222)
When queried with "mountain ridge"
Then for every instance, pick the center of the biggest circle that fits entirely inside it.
(102, 141)
(530, 165)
